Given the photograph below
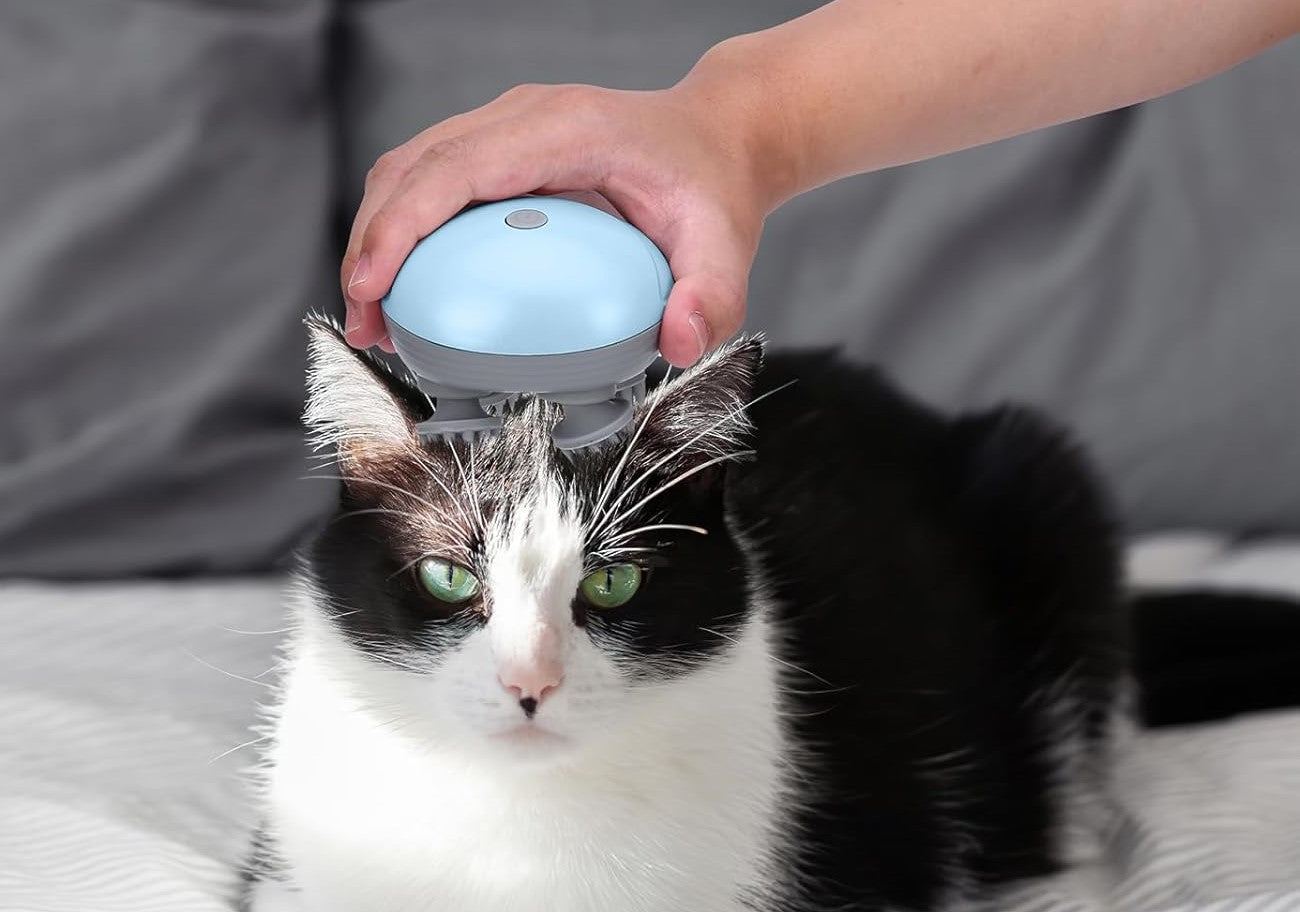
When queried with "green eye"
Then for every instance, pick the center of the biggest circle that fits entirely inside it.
(612, 586)
(447, 582)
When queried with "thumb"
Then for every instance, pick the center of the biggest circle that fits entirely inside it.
(710, 267)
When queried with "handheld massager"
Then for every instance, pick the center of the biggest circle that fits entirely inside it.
(533, 295)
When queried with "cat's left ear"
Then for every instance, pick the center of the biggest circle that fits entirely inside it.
(354, 402)
(703, 415)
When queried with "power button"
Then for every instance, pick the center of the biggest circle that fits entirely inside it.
(526, 218)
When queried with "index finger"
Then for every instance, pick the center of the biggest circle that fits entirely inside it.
(389, 169)
(449, 175)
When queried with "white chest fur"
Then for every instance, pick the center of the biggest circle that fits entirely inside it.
(676, 811)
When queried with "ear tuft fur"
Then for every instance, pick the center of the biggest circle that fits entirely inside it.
(703, 411)
(353, 399)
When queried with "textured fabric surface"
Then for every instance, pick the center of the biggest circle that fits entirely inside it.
(114, 794)
(123, 708)
(165, 178)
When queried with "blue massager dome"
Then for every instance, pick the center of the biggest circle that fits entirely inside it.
(535, 295)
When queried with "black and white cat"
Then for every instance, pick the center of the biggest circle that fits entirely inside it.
(791, 642)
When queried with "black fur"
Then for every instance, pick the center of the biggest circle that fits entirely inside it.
(1204, 656)
(946, 590)
(945, 586)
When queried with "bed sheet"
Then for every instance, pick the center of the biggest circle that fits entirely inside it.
(124, 742)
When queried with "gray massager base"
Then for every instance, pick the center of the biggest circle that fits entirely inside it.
(597, 388)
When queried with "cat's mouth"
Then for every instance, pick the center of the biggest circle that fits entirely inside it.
(530, 733)
(531, 737)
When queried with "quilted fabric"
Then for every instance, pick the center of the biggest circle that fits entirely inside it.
(123, 709)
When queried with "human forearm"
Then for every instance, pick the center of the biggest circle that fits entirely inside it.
(863, 84)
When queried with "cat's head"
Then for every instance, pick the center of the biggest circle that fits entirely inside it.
(514, 597)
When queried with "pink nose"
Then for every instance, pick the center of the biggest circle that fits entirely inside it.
(531, 682)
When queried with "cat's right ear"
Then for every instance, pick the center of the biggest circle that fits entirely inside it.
(702, 416)
(355, 404)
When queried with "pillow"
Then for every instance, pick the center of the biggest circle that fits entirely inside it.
(165, 188)
(1137, 273)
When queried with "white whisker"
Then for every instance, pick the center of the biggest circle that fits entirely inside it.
(239, 747)
(440, 514)
(729, 416)
(778, 660)
(466, 482)
(363, 512)
(386, 485)
(608, 487)
(229, 674)
(698, 530)
(430, 470)
(622, 549)
(631, 511)
(474, 498)
(254, 632)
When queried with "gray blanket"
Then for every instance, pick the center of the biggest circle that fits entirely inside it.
(123, 709)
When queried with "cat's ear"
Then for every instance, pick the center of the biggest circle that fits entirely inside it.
(702, 415)
(355, 404)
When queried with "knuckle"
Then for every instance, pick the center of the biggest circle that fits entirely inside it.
(524, 91)
(444, 152)
(578, 99)
(384, 230)
(388, 167)
(553, 99)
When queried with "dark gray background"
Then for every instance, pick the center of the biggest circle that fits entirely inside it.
(173, 177)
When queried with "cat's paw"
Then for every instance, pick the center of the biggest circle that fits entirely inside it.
(272, 896)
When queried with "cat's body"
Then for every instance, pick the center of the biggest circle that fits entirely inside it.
(871, 665)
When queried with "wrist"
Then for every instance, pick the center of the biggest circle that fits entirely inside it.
(732, 94)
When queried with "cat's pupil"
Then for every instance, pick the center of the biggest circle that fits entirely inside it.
(609, 579)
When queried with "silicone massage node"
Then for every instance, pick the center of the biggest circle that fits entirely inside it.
(536, 295)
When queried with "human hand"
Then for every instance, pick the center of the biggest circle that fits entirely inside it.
(678, 163)
(851, 86)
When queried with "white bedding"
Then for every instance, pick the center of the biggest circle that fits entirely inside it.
(121, 707)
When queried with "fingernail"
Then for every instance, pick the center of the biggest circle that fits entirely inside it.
(361, 271)
(351, 323)
(702, 334)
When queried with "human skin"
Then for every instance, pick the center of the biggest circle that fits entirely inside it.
(850, 87)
